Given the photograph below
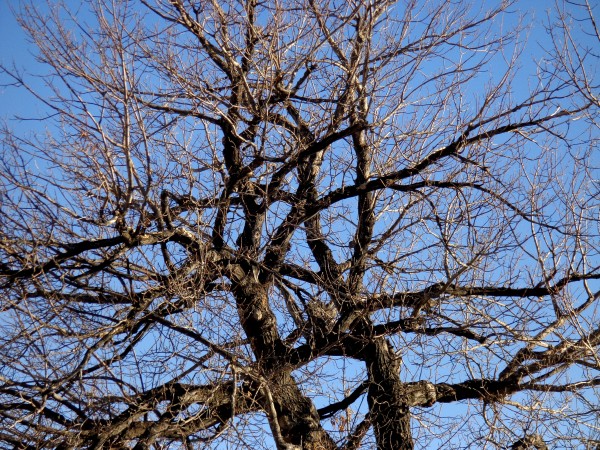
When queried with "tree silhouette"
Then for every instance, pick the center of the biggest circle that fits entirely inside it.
(302, 225)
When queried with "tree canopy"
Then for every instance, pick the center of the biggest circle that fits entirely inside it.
(303, 224)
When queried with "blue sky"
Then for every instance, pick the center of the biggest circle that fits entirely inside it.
(16, 51)
(15, 47)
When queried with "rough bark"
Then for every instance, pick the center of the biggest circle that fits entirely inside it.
(388, 405)
(239, 208)
(293, 417)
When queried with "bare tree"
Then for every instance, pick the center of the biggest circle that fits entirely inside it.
(303, 225)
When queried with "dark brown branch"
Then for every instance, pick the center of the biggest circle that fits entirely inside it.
(533, 440)
(414, 326)
(333, 408)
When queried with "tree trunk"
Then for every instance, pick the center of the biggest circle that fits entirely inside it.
(293, 418)
(389, 409)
